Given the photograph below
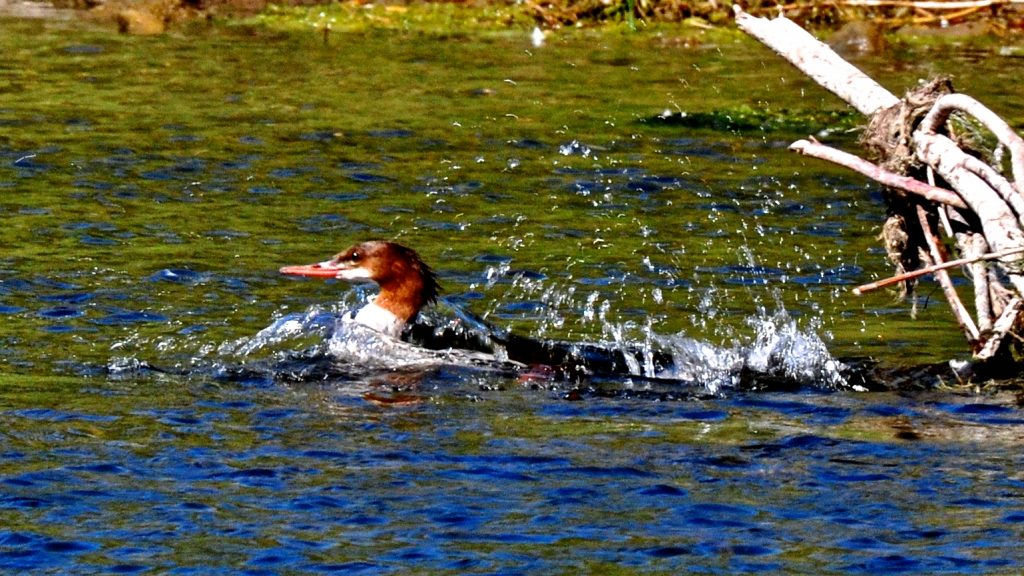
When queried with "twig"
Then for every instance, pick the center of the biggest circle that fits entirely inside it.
(963, 317)
(891, 179)
(947, 17)
(930, 269)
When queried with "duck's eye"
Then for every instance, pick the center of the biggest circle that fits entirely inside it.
(354, 257)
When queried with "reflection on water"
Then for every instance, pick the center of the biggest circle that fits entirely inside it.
(169, 403)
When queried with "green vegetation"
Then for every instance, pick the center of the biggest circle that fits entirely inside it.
(432, 18)
(457, 18)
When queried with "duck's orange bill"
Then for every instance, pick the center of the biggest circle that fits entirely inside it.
(319, 270)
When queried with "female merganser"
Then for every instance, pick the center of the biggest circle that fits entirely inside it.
(406, 283)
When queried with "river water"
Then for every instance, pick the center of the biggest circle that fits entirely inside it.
(154, 419)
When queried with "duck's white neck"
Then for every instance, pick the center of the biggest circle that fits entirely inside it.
(380, 319)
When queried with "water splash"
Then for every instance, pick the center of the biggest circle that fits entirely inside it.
(575, 148)
(781, 351)
(575, 324)
(315, 324)
(330, 344)
(775, 350)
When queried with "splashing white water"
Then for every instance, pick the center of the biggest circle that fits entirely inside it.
(777, 346)
(780, 349)
(356, 344)
(316, 322)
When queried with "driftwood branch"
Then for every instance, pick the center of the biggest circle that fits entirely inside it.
(977, 247)
(817, 61)
(950, 103)
(972, 203)
(1001, 328)
(877, 173)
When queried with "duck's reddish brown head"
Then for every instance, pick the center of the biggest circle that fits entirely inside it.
(406, 282)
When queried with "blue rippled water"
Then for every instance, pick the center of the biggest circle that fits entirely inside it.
(315, 478)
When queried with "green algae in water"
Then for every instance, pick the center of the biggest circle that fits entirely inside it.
(746, 120)
(233, 152)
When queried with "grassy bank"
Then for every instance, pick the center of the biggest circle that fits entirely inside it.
(156, 16)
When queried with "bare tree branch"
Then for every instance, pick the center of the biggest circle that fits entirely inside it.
(817, 61)
(865, 288)
(877, 173)
(950, 103)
